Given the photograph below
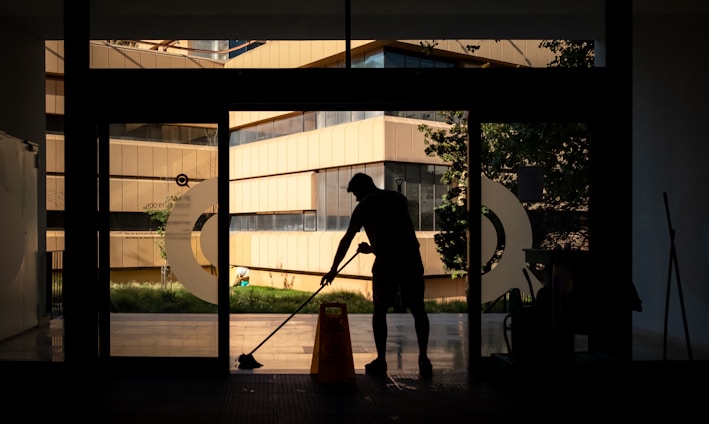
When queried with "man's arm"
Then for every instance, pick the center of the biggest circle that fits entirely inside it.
(342, 249)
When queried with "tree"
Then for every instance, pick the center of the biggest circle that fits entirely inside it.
(562, 149)
(451, 145)
(570, 53)
(159, 214)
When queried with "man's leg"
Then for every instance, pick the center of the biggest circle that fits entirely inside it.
(422, 326)
(380, 330)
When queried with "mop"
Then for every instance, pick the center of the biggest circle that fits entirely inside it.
(247, 361)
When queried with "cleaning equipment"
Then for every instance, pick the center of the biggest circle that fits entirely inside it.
(332, 360)
(247, 361)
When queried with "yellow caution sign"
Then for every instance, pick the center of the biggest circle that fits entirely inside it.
(332, 353)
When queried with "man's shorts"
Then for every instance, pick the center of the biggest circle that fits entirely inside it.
(387, 283)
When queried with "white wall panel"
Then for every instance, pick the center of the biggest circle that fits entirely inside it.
(129, 193)
(366, 141)
(281, 193)
(160, 160)
(313, 252)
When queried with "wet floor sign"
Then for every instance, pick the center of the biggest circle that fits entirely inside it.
(332, 352)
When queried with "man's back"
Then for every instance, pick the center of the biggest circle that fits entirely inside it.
(385, 218)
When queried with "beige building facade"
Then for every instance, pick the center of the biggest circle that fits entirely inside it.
(286, 168)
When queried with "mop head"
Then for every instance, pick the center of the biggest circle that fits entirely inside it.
(248, 362)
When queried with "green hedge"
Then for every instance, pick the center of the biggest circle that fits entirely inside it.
(154, 298)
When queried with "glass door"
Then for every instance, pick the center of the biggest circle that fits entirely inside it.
(162, 240)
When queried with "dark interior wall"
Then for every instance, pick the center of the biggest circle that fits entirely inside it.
(22, 115)
(22, 84)
(670, 147)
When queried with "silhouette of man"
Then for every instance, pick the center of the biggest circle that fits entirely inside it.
(397, 267)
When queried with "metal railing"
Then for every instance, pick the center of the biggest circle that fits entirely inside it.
(502, 303)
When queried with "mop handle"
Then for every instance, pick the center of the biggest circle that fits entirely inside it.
(301, 306)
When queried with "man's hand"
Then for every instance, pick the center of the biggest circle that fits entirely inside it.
(327, 278)
(364, 247)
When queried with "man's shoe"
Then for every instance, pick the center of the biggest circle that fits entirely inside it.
(376, 368)
(425, 368)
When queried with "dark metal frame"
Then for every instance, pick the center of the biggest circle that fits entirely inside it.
(97, 97)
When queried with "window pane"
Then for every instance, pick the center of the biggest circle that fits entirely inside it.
(264, 130)
(309, 121)
(309, 221)
(413, 192)
(427, 198)
(290, 125)
(440, 189)
(322, 200)
(345, 199)
(374, 60)
(393, 171)
(331, 198)
(234, 138)
(394, 60)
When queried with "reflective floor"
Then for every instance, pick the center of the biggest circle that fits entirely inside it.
(289, 349)
(45, 343)
(285, 349)
(282, 391)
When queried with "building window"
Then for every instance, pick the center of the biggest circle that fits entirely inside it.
(420, 183)
(310, 221)
(309, 121)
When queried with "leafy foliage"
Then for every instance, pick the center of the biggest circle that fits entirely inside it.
(151, 298)
(561, 149)
(451, 145)
(160, 215)
(570, 53)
